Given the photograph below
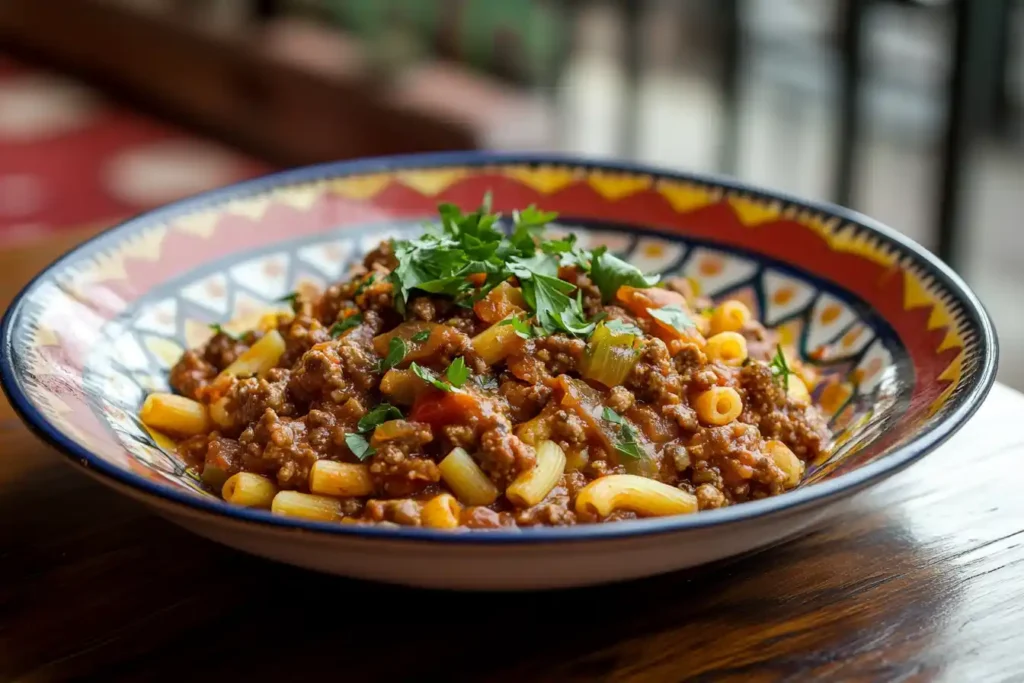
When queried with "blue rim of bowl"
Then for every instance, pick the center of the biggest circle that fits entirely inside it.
(838, 488)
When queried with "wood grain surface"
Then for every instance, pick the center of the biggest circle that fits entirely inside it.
(920, 579)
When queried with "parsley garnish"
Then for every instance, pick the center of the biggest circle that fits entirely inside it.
(396, 352)
(379, 415)
(549, 297)
(421, 336)
(780, 368)
(521, 327)
(291, 298)
(610, 272)
(627, 444)
(356, 441)
(441, 260)
(617, 326)
(674, 316)
(568, 253)
(457, 372)
(359, 446)
(342, 326)
(217, 329)
(429, 377)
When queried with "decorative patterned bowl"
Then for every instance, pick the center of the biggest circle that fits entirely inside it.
(906, 350)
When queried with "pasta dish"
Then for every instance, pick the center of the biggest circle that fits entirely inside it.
(485, 375)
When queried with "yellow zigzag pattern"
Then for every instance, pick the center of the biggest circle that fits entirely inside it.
(145, 245)
(547, 179)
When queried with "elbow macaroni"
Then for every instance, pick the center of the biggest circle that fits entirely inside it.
(718, 406)
(729, 316)
(306, 506)
(249, 490)
(728, 348)
(260, 358)
(175, 415)
(786, 461)
(530, 487)
(442, 512)
(341, 479)
(466, 479)
(646, 497)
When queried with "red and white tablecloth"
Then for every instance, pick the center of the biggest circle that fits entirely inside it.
(70, 158)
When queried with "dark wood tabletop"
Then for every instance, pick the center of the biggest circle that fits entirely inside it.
(920, 579)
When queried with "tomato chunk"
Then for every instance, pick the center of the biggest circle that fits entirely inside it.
(440, 408)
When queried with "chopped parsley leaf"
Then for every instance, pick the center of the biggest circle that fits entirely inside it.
(429, 377)
(627, 444)
(441, 261)
(674, 316)
(556, 310)
(610, 272)
(521, 327)
(421, 336)
(397, 349)
(359, 446)
(342, 326)
(379, 415)
(457, 372)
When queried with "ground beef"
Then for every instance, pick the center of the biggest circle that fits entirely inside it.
(766, 406)
(654, 378)
(399, 467)
(190, 374)
(250, 397)
(502, 455)
(546, 357)
(279, 447)
(568, 430)
(402, 511)
(684, 416)
(524, 400)
(451, 344)
(735, 453)
(459, 436)
(334, 372)
(335, 299)
(479, 517)
(709, 498)
(301, 334)
(547, 514)
(422, 308)
(383, 257)
(620, 399)
(223, 349)
(193, 449)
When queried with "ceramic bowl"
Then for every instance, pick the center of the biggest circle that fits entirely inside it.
(905, 350)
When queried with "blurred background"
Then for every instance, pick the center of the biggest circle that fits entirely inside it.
(909, 111)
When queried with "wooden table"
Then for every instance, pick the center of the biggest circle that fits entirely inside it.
(920, 579)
